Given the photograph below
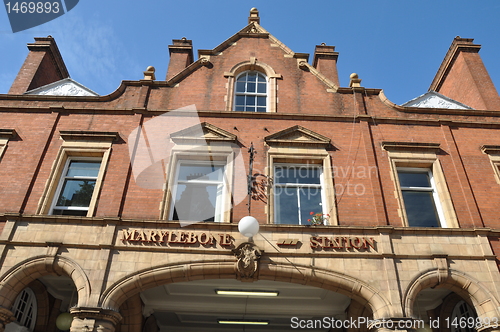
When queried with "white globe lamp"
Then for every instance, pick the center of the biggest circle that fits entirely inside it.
(63, 321)
(248, 226)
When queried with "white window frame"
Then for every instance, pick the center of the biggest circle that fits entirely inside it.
(321, 186)
(64, 177)
(266, 94)
(457, 315)
(23, 316)
(253, 65)
(432, 188)
(421, 156)
(219, 206)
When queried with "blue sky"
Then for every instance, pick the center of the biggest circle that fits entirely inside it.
(395, 45)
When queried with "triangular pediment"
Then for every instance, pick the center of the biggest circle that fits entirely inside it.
(252, 30)
(297, 135)
(204, 132)
(433, 99)
(64, 87)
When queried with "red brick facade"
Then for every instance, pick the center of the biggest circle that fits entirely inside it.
(357, 120)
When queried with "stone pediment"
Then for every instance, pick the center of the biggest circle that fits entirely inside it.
(204, 132)
(64, 87)
(297, 135)
(434, 99)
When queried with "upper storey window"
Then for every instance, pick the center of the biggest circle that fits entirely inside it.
(76, 187)
(420, 197)
(251, 87)
(251, 92)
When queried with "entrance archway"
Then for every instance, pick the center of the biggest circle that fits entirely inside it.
(156, 284)
(436, 296)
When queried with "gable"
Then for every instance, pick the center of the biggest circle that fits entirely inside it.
(64, 87)
(433, 99)
(254, 31)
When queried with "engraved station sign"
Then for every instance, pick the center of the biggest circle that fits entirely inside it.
(342, 242)
(226, 240)
(176, 237)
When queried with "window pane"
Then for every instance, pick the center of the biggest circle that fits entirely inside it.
(76, 193)
(251, 77)
(261, 88)
(251, 100)
(239, 108)
(247, 86)
(310, 201)
(297, 174)
(420, 209)
(240, 100)
(196, 201)
(414, 179)
(240, 86)
(200, 173)
(83, 168)
(287, 208)
(251, 87)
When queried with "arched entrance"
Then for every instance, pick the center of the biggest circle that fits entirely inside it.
(36, 291)
(451, 302)
(185, 297)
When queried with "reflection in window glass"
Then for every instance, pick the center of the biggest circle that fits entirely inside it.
(198, 192)
(419, 197)
(76, 187)
(297, 193)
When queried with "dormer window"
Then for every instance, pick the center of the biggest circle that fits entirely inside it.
(251, 92)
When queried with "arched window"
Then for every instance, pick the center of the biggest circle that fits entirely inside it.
(462, 317)
(251, 87)
(25, 308)
(251, 92)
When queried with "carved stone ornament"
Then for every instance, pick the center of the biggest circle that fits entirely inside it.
(253, 30)
(247, 265)
(205, 62)
(6, 317)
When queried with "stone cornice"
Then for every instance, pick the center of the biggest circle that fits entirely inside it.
(234, 226)
(101, 136)
(490, 149)
(394, 146)
(7, 133)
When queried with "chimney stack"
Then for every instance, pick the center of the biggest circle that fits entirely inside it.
(181, 56)
(463, 77)
(43, 65)
(325, 61)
